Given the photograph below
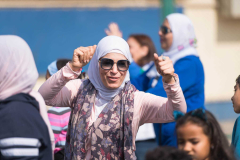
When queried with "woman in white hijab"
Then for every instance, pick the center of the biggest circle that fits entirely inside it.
(106, 108)
(23, 132)
(178, 40)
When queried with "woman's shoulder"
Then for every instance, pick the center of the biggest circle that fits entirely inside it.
(21, 107)
(189, 62)
(191, 59)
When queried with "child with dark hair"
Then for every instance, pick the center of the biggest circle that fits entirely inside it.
(59, 116)
(167, 153)
(236, 129)
(57, 65)
(200, 135)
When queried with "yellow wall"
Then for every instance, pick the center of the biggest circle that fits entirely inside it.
(218, 46)
(77, 3)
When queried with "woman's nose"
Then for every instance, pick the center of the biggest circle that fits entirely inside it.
(114, 68)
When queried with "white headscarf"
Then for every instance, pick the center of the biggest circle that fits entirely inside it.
(17, 67)
(18, 73)
(109, 44)
(184, 38)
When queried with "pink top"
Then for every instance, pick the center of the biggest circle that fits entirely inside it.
(59, 118)
(61, 88)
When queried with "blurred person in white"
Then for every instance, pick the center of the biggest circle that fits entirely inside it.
(106, 108)
(25, 130)
(142, 50)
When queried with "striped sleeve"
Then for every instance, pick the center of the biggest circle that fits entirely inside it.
(19, 148)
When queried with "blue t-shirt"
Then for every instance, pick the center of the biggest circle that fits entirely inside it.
(236, 137)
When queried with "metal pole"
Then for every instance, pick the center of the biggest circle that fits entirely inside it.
(168, 7)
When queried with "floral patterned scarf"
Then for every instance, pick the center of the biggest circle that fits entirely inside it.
(110, 134)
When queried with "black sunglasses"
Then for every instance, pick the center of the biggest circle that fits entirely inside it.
(165, 30)
(107, 64)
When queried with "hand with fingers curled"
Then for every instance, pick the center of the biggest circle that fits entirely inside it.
(81, 57)
(164, 67)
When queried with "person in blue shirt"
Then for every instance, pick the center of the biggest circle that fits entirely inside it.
(178, 40)
(236, 129)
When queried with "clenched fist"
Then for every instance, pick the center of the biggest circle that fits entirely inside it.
(164, 67)
(81, 57)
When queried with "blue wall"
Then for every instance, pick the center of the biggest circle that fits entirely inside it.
(55, 33)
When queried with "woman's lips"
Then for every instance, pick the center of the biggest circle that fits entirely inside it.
(114, 79)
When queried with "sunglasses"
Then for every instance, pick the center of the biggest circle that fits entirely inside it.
(165, 30)
(107, 64)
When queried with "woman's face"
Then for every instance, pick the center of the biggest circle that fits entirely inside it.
(113, 78)
(137, 51)
(166, 39)
(192, 139)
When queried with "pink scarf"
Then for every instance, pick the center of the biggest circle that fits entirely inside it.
(17, 67)
(19, 73)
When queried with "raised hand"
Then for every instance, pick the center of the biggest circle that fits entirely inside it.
(81, 57)
(113, 30)
(164, 67)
